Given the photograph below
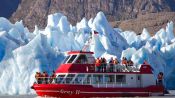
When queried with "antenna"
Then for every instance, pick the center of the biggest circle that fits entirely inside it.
(71, 48)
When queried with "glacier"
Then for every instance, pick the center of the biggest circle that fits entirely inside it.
(23, 53)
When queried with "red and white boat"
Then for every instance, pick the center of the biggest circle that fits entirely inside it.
(77, 77)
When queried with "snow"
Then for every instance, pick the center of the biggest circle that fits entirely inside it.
(22, 53)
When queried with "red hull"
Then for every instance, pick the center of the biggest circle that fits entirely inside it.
(68, 90)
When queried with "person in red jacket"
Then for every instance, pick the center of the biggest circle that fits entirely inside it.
(98, 64)
(124, 61)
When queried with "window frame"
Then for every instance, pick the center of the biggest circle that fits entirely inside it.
(66, 59)
(84, 62)
(70, 59)
(120, 79)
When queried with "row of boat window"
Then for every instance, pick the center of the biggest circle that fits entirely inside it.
(91, 79)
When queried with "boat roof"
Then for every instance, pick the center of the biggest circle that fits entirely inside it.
(80, 52)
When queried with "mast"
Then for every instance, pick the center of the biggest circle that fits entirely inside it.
(88, 42)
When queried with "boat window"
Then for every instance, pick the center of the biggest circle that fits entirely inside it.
(109, 79)
(91, 60)
(79, 79)
(138, 77)
(97, 79)
(88, 80)
(120, 79)
(59, 78)
(72, 58)
(82, 59)
(69, 78)
(66, 59)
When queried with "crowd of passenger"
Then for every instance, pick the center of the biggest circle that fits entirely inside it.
(44, 78)
(102, 65)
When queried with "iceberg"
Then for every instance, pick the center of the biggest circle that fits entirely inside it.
(21, 64)
(157, 50)
(22, 53)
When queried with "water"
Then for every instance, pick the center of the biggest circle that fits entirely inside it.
(18, 96)
(172, 94)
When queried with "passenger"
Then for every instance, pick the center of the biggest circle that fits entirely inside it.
(130, 63)
(111, 64)
(115, 61)
(124, 61)
(53, 77)
(160, 78)
(78, 61)
(104, 64)
(101, 65)
(40, 78)
(98, 64)
(37, 77)
(45, 77)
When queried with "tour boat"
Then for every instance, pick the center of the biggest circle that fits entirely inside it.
(78, 77)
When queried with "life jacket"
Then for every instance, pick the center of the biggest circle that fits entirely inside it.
(45, 75)
(115, 62)
(124, 62)
(98, 62)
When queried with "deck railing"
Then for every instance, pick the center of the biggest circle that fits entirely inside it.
(116, 68)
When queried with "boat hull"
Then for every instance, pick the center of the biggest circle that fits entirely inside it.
(70, 90)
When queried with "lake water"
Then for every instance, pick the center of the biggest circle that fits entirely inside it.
(172, 94)
(18, 96)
